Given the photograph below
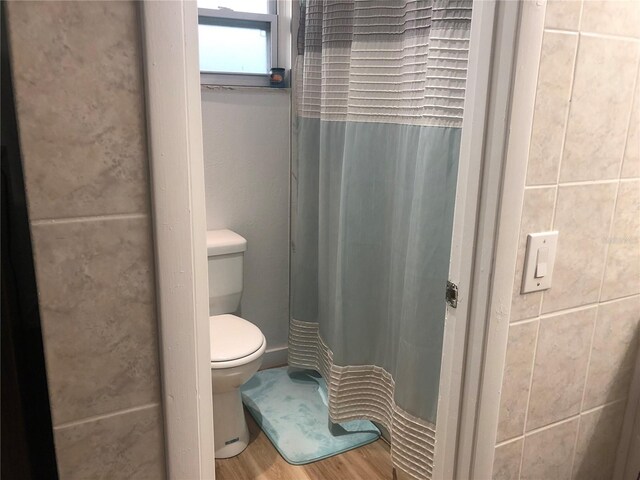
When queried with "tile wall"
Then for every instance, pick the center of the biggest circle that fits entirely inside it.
(571, 349)
(81, 117)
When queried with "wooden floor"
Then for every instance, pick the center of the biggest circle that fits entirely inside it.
(261, 461)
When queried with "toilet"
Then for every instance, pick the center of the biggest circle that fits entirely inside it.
(237, 346)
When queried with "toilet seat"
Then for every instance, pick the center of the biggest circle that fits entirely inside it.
(234, 341)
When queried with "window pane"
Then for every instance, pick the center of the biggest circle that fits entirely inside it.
(232, 49)
(252, 6)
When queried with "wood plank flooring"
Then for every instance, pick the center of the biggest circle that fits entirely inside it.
(261, 461)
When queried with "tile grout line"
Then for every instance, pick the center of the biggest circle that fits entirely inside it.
(542, 186)
(605, 36)
(559, 422)
(568, 310)
(509, 441)
(603, 276)
(586, 375)
(88, 218)
(575, 67)
(584, 392)
(566, 119)
(564, 31)
(526, 411)
(615, 201)
(564, 137)
(603, 406)
(539, 430)
(609, 236)
(105, 416)
(579, 308)
(618, 299)
(581, 183)
(524, 321)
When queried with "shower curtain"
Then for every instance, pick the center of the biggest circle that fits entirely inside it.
(379, 89)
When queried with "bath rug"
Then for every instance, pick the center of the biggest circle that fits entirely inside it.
(290, 406)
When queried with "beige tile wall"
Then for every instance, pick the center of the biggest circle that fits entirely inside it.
(80, 107)
(572, 348)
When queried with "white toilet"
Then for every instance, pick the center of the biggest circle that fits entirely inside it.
(237, 346)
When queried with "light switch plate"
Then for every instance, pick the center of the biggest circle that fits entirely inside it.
(539, 261)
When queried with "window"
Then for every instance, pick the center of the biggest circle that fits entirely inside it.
(238, 41)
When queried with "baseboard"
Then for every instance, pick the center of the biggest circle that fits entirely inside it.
(384, 433)
(274, 357)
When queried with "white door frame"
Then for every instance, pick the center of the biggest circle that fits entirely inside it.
(506, 37)
(514, 75)
(520, 103)
(174, 123)
(464, 245)
(486, 222)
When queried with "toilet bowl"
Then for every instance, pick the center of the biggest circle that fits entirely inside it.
(237, 348)
(237, 345)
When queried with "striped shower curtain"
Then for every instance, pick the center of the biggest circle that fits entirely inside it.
(379, 89)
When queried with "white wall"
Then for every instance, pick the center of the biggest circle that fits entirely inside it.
(246, 155)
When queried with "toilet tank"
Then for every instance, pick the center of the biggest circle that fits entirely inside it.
(225, 250)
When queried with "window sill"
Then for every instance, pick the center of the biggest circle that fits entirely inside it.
(214, 88)
(236, 79)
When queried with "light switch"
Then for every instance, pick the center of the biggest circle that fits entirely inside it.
(541, 263)
(538, 261)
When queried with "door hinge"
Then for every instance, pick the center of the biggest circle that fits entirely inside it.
(452, 294)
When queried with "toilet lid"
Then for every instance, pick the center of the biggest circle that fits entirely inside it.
(233, 337)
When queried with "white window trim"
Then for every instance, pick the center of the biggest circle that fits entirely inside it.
(227, 17)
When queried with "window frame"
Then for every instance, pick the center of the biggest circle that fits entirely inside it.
(231, 18)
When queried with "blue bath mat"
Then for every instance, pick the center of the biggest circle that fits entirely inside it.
(290, 405)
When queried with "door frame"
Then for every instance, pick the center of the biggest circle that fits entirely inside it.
(466, 242)
(526, 41)
(503, 70)
(485, 232)
(174, 129)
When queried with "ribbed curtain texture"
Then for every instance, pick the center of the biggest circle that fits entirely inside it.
(379, 89)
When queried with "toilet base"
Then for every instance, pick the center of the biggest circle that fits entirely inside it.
(231, 433)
